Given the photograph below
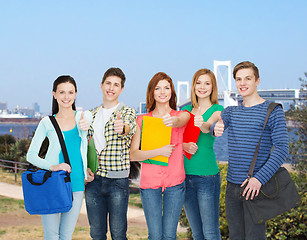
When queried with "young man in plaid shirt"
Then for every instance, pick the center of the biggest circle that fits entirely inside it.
(112, 129)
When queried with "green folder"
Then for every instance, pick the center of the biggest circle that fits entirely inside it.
(92, 161)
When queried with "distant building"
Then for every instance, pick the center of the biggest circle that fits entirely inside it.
(142, 108)
(24, 111)
(286, 97)
(3, 106)
(36, 107)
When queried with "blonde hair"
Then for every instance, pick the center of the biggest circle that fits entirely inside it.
(214, 93)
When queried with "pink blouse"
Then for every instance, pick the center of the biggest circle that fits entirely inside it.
(156, 176)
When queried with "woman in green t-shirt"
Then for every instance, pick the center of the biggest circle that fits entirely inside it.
(202, 173)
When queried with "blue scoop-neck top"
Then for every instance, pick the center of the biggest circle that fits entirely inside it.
(73, 143)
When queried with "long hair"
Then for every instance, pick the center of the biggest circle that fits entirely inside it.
(59, 80)
(214, 92)
(150, 100)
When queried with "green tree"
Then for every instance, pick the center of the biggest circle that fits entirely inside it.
(6, 142)
(298, 147)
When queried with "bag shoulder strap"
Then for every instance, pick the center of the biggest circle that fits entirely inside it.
(270, 109)
(61, 139)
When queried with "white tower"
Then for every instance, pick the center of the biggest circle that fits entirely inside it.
(228, 101)
(187, 95)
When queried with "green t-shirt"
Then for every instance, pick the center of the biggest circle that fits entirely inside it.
(203, 162)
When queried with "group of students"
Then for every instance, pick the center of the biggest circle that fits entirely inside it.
(193, 183)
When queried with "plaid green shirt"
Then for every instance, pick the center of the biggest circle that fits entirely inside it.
(115, 156)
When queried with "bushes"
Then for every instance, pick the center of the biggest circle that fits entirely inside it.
(290, 225)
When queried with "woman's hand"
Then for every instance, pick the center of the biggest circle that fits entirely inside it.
(190, 147)
(61, 166)
(168, 120)
(90, 175)
(84, 126)
(167, 150)
(198, 119)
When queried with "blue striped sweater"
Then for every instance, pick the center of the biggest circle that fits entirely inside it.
(244, 126)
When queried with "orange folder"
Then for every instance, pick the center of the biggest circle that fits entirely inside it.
(155, 135)
(191, 134)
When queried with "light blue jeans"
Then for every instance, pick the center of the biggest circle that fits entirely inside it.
(202, 206)
(162, 211)
(56, 228)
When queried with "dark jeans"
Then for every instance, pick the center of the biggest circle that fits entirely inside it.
(240, 223)
(107, 196)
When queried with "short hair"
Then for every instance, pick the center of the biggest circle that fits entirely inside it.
(114, 72)
(150, 100)
(244, 65)
(59, 80)
(214, 92)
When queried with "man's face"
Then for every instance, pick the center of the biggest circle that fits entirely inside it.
(111, 88)
(246, 82)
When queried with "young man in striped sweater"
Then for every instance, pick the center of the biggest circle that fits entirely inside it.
(244, 124)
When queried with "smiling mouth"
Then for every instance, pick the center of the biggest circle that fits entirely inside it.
(110, 93)
(243, 88)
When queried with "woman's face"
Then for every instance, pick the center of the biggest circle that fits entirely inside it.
(203, 86)
(65, 95)
(162, 92)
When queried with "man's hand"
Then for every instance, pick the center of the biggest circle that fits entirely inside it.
(90, 175)
(252, 189)
(219, 127)
(118, 124)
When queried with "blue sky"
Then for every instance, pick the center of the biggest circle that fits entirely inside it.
(41, 40)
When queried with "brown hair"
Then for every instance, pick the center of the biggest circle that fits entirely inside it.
(150, 100)
(244, 65)
(214, 93)
(114, 72)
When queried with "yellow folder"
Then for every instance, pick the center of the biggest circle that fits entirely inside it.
(155, 135)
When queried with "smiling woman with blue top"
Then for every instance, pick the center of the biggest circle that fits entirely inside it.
(74, 126)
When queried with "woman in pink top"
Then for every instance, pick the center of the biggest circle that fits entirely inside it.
(162, 187)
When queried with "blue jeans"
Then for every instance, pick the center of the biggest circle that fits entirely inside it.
(202, 206)
(240, 224)
(56, 228)
(162, 211)
(107, 196)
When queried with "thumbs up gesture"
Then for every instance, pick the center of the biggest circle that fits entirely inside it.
(168, 120)
(118, 124)
(219, 127)
(84, 126)
(198, 119)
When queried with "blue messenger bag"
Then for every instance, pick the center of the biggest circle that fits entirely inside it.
(47, 192)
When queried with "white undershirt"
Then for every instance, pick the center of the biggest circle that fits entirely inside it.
(102, 117)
